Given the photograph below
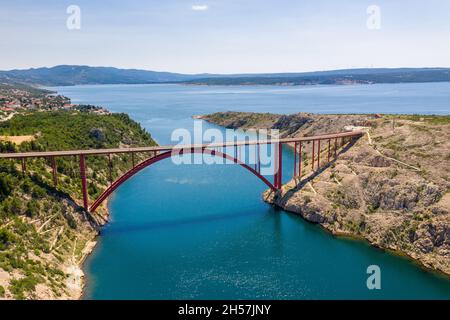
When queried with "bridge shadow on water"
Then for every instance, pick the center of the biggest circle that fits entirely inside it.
(179, 222)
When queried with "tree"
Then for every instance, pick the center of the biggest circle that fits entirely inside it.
(6, 238)
(6, 185)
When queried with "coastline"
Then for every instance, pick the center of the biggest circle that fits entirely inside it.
(314, 215)
(371, 192)
(346, 235)
(77, 277)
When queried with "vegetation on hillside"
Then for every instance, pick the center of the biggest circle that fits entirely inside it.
(356, 76)
(67, 75)
(42, 227)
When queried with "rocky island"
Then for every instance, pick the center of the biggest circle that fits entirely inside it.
(392, 187)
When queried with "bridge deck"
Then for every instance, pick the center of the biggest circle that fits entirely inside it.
(176, 147)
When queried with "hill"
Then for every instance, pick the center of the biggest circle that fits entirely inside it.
(350, 76)
(67, 75)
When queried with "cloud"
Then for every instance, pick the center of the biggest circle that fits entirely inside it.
(199, 7)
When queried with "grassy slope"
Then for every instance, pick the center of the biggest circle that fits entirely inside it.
(43, 230)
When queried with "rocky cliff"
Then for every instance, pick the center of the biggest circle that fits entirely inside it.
(390, 187)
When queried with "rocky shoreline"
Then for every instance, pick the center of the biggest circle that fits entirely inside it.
(76, 281)
(391, 187)
(73, 282)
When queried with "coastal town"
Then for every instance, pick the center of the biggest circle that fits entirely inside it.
(19, 99)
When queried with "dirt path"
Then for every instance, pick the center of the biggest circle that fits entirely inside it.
(17, 139)
(8, 117)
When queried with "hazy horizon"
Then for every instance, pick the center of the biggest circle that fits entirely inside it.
(199, 73)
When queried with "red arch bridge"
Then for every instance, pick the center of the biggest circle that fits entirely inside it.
(328, 144)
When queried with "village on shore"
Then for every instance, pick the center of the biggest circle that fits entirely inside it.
(17, 99)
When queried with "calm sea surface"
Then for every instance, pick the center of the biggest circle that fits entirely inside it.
(203, 232)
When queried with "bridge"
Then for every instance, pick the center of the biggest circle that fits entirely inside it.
(331, 142)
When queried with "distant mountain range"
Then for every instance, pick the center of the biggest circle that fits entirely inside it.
(348, 76)
(67, 75)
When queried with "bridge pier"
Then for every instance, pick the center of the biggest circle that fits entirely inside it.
(318, 154)
(312, 154)
(329, 150)
(259, 158)
(110, 167)
(256, 157)
(295, 159)
(300, 158)
(278, 166)
(24, 166)
(54, 171)
(335, 148)
(84, 182)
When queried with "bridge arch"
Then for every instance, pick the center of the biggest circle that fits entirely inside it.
(165, 155)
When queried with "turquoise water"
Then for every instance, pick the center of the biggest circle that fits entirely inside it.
(203, 232)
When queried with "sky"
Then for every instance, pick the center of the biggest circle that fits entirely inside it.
(226, 36)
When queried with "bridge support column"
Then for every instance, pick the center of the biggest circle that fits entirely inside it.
(24, 166)
(257, 152)
(335, 148)
(329, 150)
(54, 171)
(318, 154)
(312, 154)
(295, 159)
(278, 165)
(258, 157)
(110, 167)
(84, 182)
(300, 158)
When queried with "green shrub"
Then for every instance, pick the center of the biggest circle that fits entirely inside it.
(38, 192)
(6, 185)
(307, 199)
(24, 285)
(371, 208)
(32, 208)
(6, 238)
